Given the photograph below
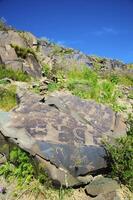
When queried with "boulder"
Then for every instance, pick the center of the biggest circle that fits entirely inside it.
(10, 59)
(7, 54)
(101, 185)
(33, 68)
(63, 132)
(11, 37)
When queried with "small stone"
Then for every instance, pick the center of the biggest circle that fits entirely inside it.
(85, 179)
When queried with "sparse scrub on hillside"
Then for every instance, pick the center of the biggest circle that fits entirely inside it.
(23, 52)
(16, 75)
(87, 84)
(121, 78)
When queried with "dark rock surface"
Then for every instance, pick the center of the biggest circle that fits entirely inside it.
(64, 133)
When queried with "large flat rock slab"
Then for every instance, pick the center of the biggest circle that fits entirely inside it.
(64, 132)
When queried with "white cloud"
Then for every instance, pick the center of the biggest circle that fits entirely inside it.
(106, 30)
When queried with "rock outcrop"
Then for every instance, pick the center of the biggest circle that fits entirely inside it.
(44, 52)
(9, 57)
(66, 58)
(64, 133)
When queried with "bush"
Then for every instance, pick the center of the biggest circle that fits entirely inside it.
(121, 157)
(16, 75)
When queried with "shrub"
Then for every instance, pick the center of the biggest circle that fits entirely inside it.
(121, 157)
(16, 75)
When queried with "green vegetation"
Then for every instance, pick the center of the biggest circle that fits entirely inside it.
(23, 52)
(87, 84)
(21, 170)
(19, 165)
(46, 70)
(7, 97)
(121, 157)
(16, 75)
(120, 78)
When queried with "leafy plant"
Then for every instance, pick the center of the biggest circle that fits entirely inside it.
(22, 166)
(19, 165)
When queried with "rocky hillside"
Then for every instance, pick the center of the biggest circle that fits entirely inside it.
(61, 112)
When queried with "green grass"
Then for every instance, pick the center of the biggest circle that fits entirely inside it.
(46, 70)
(120, 78)
(7, 97)
(87, 84)
(16, 75)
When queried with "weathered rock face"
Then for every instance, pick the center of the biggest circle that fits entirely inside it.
(64, 133)
(66, 58)
(10, 59)
(47, 53)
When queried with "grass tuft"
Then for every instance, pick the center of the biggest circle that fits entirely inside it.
(16, 75)
(7, 97)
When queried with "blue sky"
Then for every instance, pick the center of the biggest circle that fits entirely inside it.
(96, 27)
